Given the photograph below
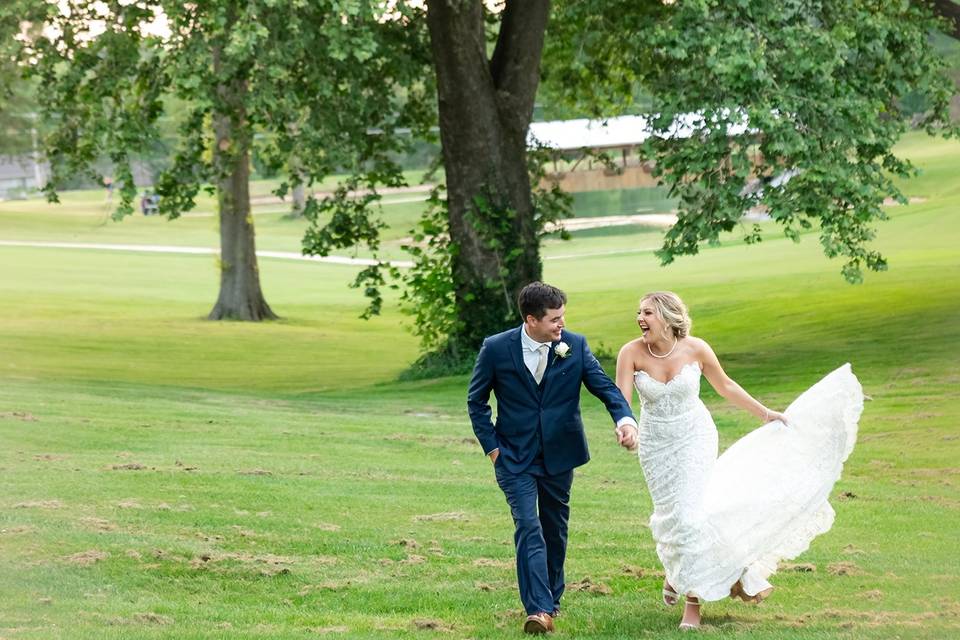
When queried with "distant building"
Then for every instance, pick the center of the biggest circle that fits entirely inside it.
(20, 176)
(576, 171)
(618, 137)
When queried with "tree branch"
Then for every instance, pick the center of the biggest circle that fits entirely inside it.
(515, 65)
(457, 43)
(950, 11)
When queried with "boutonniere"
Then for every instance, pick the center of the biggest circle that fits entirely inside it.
(562, 350)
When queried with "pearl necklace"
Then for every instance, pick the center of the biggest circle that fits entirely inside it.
(675, 341)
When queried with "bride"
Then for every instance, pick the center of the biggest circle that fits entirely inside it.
(721, 525)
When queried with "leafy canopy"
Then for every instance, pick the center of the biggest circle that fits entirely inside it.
(304, 79)
(808, 91)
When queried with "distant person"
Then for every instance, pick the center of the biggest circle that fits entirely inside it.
(537, 439)
(150, 203)
(721, 525)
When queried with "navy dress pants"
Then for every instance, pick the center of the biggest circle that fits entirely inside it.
(540, 506)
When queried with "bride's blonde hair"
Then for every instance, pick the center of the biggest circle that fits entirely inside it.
(671, 310)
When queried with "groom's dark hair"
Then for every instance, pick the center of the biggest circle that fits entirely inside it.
(537, 297)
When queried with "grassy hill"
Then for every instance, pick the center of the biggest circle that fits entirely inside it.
(167, 477)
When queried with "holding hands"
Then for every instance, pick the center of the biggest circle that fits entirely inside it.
(627, 437)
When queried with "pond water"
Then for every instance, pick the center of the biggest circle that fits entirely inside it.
(623, 202)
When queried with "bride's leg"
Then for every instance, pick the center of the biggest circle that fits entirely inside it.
(691, 613)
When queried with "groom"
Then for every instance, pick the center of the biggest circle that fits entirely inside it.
(535, 372)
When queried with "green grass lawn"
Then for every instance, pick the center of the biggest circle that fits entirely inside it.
(169, 477)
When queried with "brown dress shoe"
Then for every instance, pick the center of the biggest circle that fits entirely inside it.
(538, 623)
(736, 591)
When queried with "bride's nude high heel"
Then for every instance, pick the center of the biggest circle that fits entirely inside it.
(689, 626)
(670, 597)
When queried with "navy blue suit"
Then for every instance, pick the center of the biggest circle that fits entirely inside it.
(539, 432)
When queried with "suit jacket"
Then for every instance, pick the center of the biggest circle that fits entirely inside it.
(526, 412)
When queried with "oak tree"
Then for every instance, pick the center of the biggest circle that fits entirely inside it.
(308, 77)
(790, 108)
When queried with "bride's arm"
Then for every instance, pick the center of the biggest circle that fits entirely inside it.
(729, 389)
(626, 434)
(625, 374)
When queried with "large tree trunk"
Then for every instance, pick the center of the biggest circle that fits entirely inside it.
(485, 109)
(240, 295)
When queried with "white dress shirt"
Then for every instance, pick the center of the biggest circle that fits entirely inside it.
(531, 350)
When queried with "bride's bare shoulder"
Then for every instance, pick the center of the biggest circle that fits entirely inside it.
(699, 344)
(631, 346)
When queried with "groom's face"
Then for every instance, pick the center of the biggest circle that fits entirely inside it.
(548, 328)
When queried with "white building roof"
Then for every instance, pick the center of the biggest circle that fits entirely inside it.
(16, 168)
(622, 131)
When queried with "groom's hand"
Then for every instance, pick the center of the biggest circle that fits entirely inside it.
(494, 455)
(627, 436)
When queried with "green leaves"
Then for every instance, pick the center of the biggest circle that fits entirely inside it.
(309, 77)
(819, 84)
(429, 294)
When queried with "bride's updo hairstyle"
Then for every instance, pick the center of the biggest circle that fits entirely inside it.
(671, 310)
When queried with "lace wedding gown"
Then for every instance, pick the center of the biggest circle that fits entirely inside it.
(717, 521)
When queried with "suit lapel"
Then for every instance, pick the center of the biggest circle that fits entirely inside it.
(516, 351)
(552, 358)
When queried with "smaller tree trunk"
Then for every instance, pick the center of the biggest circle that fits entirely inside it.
(240, 295)
(299, 196)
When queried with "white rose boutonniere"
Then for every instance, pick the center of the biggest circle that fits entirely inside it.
(562, 350)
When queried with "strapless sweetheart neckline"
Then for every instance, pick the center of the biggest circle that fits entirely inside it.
(679, 373)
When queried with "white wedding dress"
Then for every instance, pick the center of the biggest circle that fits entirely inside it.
(719, 521)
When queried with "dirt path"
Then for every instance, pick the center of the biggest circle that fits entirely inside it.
(156, 248)
(573, 224)
(320, 195)
(645, 219)
(279, 255)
